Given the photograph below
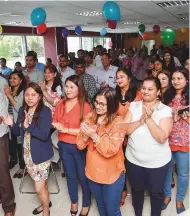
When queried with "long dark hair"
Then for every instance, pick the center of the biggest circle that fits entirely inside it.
(57, 78)
(171, 67)
(40, 105)
(171, 92)
(131, 93)
(81, 94)
(112, 103)
(22, 84)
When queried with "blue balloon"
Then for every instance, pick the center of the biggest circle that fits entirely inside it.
(111, 11)
(65, 32)
(38, 16)
(78, 30)
(103, 31)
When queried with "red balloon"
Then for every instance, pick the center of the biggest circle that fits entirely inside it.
(145, 36)
(41, 28)
(111, 24)
(156, 29)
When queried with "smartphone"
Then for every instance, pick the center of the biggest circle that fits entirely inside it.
(180, 112)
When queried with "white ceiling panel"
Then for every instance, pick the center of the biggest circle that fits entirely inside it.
(63, 13)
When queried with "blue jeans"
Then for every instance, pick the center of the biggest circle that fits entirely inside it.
(182, 164)
(74, 162)
(108, 196)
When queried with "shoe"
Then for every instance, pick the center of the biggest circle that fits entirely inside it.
(165, 205)
(73, 213)
(86, 213)
(12, 164)
(180, 209)
(16, 175)
(36, 212)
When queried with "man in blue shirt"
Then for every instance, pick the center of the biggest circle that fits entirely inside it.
(4, 70)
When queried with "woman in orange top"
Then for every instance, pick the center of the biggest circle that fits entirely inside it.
(127, 92)
(67, 117)
(103, 132)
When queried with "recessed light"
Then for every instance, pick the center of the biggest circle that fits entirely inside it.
(89, 13)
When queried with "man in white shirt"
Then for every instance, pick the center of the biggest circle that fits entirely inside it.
(107, 75)
(63, 68)
(6, 187)
(90, 68)
(97, 60)
(32, 73)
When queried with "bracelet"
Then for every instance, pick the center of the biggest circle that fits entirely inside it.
(95, 139)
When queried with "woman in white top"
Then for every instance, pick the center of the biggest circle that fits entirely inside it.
(148, 152)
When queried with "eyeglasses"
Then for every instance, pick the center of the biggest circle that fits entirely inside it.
(102, 105)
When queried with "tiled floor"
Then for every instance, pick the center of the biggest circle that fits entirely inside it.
(61, 203)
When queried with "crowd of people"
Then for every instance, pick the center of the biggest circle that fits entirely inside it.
(119, 114)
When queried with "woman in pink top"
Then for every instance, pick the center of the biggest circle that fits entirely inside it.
(68, 115)
(177, 97)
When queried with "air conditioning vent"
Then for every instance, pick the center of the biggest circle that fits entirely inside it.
(172, 3)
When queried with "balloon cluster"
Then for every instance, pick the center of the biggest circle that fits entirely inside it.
(38, 17)
(65, 31)
(111, 12)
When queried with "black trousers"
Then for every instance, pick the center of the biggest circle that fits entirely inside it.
(6, 187)
(16, 151)
(153, 179)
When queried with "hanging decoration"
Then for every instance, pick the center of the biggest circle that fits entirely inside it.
(142, 28)
(78, 30)
(183, 29)
(112, 24)
(110, 44)
(156, 29)
(38, 16)
(145, 36)
(168, 37)
(64, 32)
(111, 11)
(41, 28)
(103, 32)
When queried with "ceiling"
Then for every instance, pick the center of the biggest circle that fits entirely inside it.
(64, 14)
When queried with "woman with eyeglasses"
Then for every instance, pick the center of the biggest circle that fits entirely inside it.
(177, 97)
(68, 115)
(103, 132)
(126, 92)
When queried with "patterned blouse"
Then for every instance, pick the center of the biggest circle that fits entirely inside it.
(57, 95)
(179, 137)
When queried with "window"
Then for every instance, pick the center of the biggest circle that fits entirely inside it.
(36, 43)
(149, 44)
(86, 43)
(98, 41)
(15, 48)
(11, 48)
(73, 44)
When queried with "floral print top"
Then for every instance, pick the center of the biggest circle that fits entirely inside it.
(57, 95)
(179, 137)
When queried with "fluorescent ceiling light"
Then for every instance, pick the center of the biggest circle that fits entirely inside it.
(89, 13)
(10, 14)
(131, 23)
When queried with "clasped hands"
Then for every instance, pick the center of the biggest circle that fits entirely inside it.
(89, 131)
(147, 113)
